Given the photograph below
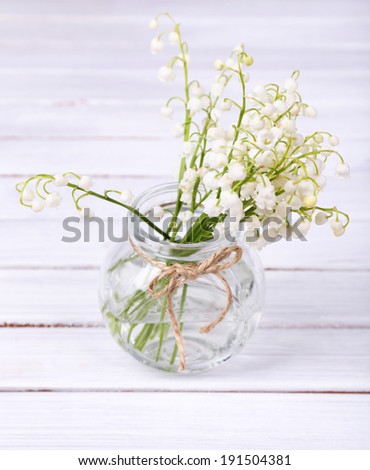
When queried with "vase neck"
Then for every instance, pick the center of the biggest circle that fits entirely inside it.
(178, 252)
(150, 242)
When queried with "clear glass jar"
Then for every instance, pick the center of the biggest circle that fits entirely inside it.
(140, 323)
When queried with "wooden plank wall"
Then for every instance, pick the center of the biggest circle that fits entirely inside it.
(78, 90)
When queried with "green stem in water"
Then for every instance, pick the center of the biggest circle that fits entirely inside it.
(143, 336)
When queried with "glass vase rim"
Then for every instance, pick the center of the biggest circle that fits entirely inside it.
(165, 188)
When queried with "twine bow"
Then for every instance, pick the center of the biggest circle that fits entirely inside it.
(178, 274)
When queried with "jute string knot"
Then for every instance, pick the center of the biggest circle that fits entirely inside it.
(179, 274)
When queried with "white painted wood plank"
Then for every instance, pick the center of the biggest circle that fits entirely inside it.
(183, 421)
(293, 299)
(78, 35)
(334, 47)
(107, 121)
(112, 157)
(49, 297)
(41, 245)
(278, 360)
(116, 30)
(131, 84)
(132, 157)
(110, 9)
(349, 195)
(98, 55)
(309, 299)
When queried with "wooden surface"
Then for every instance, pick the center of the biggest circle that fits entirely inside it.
(78, 91)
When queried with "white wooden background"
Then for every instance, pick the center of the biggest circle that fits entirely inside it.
(78, 90)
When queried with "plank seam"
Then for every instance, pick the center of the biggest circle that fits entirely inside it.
(94, 267)
(190, 391)
(80, 138)
(93, 175)
(99, 325)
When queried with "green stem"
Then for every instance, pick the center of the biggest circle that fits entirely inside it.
(129, 208)
(241, 113)
(143, 336)
(186, 133)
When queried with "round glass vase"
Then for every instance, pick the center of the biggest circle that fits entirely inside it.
(141, 324)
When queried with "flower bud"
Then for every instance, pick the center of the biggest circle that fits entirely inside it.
(310, 201)
(310, 111)
(305, 188)
(238, 48)
(304, 227)
(28, 195)
(85, 182)
(195, 105)
(37, 205)
(126, 196)
(295, 109)
(153, 23)
(289, 187)
(216, 114)
(156, 45)
(53, 199)
(333, 140)
(225, 105)
(210, 180)
(337, 227)
(166, 74)
(290, 84)
(60, 180)
(295, 203)
(318, 138)
(173, 38)
(195, 89)
(177, 130)
(237, 171)
(166, 111)
(188, 149)
(247, 60)
(321, 218)
(342, 170)
(212, 207)
(218, 64)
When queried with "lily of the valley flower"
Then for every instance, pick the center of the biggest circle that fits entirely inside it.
(242, 158)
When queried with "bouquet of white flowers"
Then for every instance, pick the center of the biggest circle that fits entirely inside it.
(243, 162)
